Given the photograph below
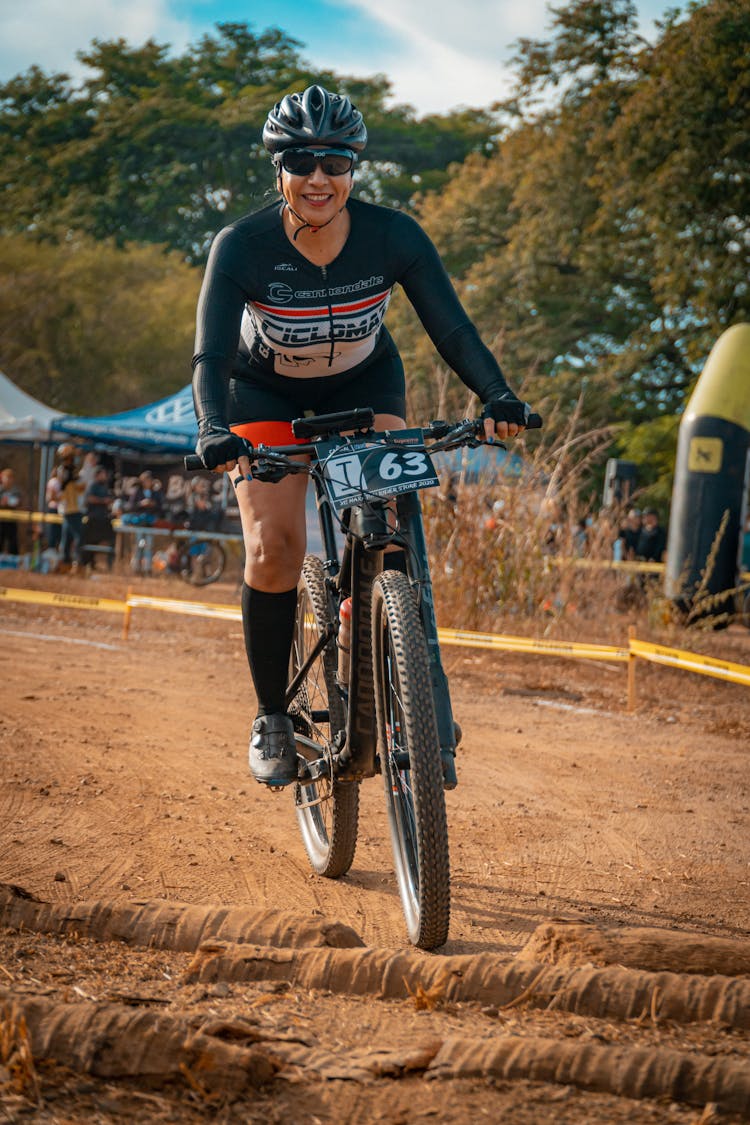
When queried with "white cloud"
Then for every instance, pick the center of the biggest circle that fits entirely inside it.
(437, 78)
(474, 28)
(455, 55)
(48, 33)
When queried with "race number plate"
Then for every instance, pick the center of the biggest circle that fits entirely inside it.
(362, 469)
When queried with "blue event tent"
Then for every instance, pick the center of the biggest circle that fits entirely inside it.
(167, 427)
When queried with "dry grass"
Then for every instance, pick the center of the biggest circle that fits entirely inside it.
(506, 557)
(508, 554)
(17, 1072)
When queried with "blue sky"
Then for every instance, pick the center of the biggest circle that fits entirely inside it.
(438, 54)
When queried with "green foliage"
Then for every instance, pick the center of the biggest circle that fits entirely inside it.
(155, 148)
(89, 328)
(606, 243)
(653, 447)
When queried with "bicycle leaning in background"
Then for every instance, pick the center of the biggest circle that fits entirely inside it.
(197, 558)
(367, 691)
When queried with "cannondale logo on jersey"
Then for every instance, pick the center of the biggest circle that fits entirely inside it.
(280, 293)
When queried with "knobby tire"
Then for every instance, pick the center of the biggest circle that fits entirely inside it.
(329, 828)
(410, 761)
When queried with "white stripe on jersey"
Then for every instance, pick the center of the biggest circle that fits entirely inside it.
(300, 338)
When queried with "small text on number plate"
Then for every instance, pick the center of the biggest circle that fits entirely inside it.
(363, 469)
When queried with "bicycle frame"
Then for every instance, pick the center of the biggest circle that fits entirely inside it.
(361, 562)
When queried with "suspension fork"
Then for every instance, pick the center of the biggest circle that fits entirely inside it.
(361, 726)
(411, 534)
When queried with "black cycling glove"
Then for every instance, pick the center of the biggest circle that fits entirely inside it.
(217, 445)
(505, 407)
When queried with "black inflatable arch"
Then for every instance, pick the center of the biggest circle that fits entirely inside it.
(709, 497)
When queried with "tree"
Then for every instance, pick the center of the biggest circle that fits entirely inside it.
(675, 189)
(154, 148)
(606, 243)
(91, 328)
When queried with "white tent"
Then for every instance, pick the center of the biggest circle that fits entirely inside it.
(23, 418)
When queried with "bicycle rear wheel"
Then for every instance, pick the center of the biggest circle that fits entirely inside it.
(327, 809)
(205, 562)
(410, 761)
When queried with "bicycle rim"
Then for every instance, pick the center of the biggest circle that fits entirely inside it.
(327, 810)
(410, 761)
(208, 566)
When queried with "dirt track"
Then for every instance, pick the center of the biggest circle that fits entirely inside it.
(124, 778)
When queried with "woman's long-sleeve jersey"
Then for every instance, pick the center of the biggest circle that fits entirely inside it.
(264, 306)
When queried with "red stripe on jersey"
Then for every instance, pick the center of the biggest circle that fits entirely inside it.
(322, 310)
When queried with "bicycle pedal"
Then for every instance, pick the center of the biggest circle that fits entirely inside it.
(277, 786)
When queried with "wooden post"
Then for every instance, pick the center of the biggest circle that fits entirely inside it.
(631, 670)
(126, 616)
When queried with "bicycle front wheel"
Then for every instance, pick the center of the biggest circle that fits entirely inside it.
(327, 809)
(205, 563)
(410, 761)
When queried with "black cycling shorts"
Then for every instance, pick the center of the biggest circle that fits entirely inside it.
(266, 397)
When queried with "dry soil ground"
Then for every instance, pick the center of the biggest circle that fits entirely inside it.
(123, 779)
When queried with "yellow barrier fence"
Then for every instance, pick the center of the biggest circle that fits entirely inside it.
(70, 601)
(172, 605)
(635, 649)
(691, 662)
(578, 649)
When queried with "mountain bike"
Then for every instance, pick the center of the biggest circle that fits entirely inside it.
(379, 703)
(197, 559)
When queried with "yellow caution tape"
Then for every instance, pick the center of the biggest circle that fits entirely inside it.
(71, 601)
(658, 654)
(26, 517)
(192, 609)
(691, 661)
(628, 566)
(528, 644)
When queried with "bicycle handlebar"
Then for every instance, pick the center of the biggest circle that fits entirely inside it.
(435, 430)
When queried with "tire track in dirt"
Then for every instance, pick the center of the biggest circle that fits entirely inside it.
(161, 727)
(598, 820)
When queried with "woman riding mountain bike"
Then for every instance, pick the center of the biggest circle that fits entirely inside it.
(289, 323)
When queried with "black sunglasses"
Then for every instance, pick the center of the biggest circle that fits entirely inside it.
(303, 161)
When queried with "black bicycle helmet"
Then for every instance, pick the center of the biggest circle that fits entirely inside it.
(314, 117)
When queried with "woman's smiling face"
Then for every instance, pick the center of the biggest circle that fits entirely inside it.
(316, 198)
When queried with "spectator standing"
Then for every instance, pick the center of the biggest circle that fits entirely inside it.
(629, 535)
(99, 530)
(10, 501)
(71, 507)
(580, 537)
(144, 507)
(652, 540)
(89, 467)
(53, 531)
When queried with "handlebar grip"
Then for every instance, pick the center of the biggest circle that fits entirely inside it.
(534, 422)
(193, 462)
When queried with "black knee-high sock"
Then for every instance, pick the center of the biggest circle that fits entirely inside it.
(268, 624)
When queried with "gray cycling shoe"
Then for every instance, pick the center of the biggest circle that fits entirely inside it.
(273, 752)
